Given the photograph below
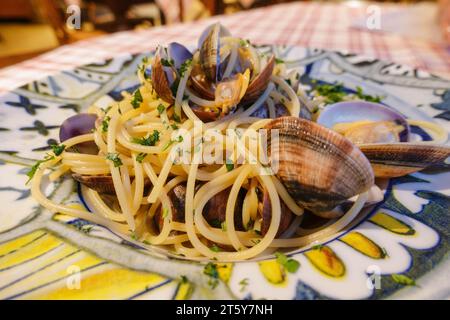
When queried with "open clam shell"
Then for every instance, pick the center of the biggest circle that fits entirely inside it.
(102, 183)
(391, 160)
(77, 125)
(353, 111)
(162, 79)
(260, 82)
(320, 168)
(210, 53)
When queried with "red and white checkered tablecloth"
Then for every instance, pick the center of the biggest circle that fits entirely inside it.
(318, 25)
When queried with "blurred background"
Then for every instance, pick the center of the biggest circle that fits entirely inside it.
(32, 27)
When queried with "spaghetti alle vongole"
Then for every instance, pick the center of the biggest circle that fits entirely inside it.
(198, 160)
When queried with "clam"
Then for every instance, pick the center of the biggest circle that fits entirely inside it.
(265, 210)
(391, 160)
(76, 125)
(165, 67)
(210, 53)
(102, 183)
(177, 196)
(383, 135)
(319, 167)
(240, 87)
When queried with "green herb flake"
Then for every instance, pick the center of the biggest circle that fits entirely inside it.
(184, 66)
(149, 141)
(58, 149)
(137, 99)
(140, 157)
(243, 283)
(223, 226)
(176, 118)
(167, 62)
(210, 270)
(114, 157)
(174, 126)
(279, 61)
(161, 108)
(404, 280)
(105, 123)
(291, 265)
(35, 167)
(214, 248)
(317, 247)
(229, 165)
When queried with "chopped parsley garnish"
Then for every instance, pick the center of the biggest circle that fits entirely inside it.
(184, 66)
(211, 271)
(58, 149)
(114, 157)
(214, 248)
(150, 141)
(402, 279)
(317, 247)
(144, 60)
(360, 94)
(184, 279)
(179, 139)
(291, 265)
(137, 99)
(176, 118)
(229, 165)
(167, 63)
(35, 167)
(243, 283)
(174, 126)
(140, 157)
(105, 123)
(278, 60)
(335, 93)
(161, 108)
(223, 226)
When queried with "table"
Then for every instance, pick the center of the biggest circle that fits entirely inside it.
(320, 25)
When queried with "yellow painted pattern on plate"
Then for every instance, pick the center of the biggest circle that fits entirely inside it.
(117, 283)
(392, 224)
(326, 261)
(273, 272)
(184, 291)
(19, 242)
(224, 270)
(32, 250)
(361, 243)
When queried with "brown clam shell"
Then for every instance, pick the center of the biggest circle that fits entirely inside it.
(177, 196)
(215, 209)
(391, 160)
(260, 82)
(319, 167)
(266, 213)
(101, 183)
(160, 81)
(209, 53)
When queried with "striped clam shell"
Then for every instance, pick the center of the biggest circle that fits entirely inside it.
(391, 160)
(210, 53)
(319, 168)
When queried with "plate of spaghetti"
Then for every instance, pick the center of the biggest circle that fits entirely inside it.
(250, 171)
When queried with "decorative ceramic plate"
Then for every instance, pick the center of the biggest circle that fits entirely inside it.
(400, 250)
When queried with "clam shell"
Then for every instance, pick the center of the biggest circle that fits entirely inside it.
(391, 160)
(266, 213)
(260, 82)
(352, 111)
(178, 53)
(224, 32)
(160, 80)
(177, 196)
(210, 53)
(320, 168)
(100, 183)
